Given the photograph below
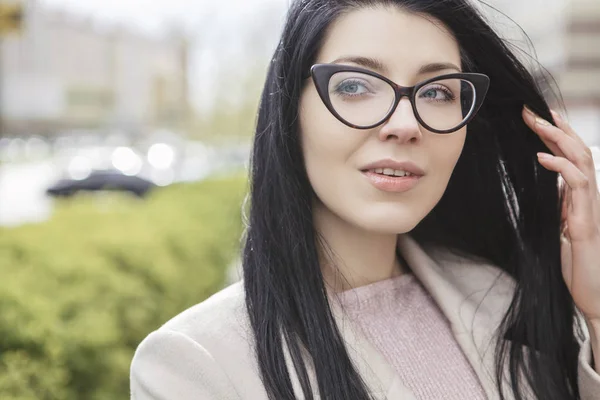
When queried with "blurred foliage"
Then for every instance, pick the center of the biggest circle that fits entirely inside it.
(79, 292)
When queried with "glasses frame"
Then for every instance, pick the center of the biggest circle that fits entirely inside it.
(322, 73)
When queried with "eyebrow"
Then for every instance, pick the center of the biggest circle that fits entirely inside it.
(367, 62)
(375, 64)
(435, 67)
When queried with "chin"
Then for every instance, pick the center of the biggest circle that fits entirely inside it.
(389, 223)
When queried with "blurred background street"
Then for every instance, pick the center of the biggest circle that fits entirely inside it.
(168, 91)
(125, 130)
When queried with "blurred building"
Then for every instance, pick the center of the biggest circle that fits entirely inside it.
(65, 72)
(566, 36)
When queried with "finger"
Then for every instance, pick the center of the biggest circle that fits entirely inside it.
(565, 126)
(566, 256)
(564, 230)
(581, 213)
(530, 120)
(565, 197)
(571, 148)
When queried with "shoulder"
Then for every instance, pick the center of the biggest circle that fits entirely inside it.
(218, 318)
(205, 352)
(217, 323)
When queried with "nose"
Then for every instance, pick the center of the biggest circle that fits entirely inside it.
(402, 126)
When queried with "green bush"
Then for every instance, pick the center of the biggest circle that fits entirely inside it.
(80, 291)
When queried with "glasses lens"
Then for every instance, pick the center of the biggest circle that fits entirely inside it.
(360, 99)
(446, 103)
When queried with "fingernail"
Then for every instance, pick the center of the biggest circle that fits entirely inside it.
(556, 116)
(545, 156)
(541, 121)
(529, 110)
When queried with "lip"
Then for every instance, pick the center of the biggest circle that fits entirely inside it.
(398, 165)
(394, 184)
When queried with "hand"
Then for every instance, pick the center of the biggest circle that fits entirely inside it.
(580, 228)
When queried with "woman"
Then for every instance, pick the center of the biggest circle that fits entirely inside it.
(392, 251)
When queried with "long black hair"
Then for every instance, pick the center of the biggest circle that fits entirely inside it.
(500, 205)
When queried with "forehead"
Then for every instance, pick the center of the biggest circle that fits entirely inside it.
(402, 41)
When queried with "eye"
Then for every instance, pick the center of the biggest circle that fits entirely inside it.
(436, 93)
(352, 87)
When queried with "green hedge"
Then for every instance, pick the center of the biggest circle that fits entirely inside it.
(80, 291)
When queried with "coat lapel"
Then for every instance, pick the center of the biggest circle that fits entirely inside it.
(474, 297)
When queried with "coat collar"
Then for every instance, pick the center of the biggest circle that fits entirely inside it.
(473, 296)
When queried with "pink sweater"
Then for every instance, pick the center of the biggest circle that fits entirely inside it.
(400, 319)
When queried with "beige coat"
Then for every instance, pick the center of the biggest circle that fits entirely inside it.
(206, 352)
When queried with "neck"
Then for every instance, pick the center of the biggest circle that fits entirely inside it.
(352, 257)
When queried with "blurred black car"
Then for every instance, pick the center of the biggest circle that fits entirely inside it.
(102, 180)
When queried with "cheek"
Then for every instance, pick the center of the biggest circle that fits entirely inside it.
(444, 152)
(327, 144)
